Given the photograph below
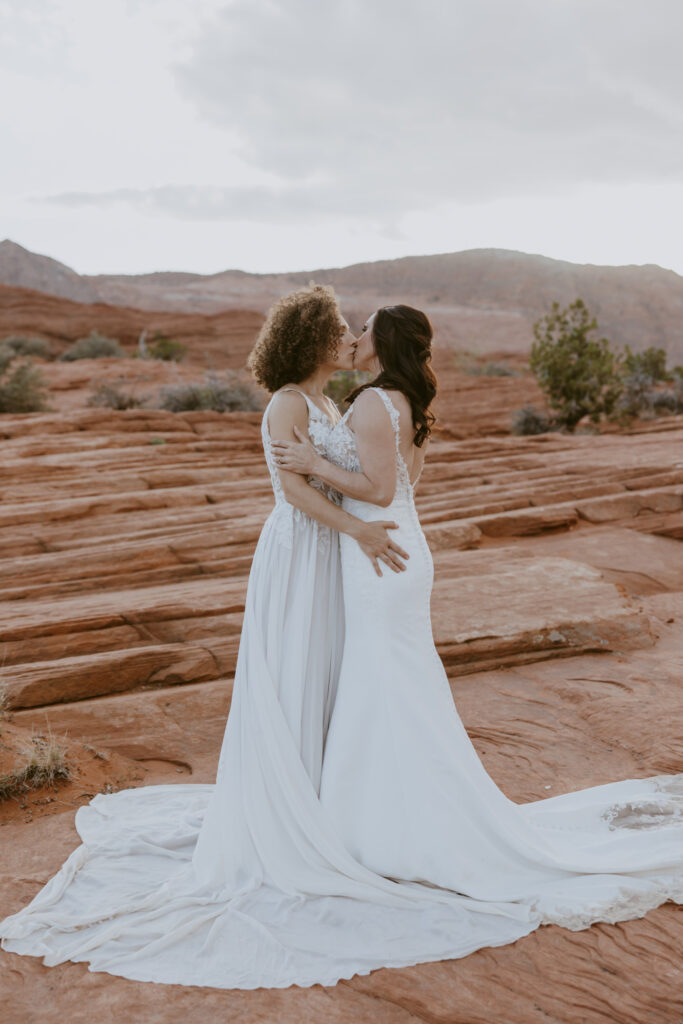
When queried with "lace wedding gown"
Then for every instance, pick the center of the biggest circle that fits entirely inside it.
(398, 849)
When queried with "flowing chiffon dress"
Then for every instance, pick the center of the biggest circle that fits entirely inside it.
(397, 849)
(408, 792)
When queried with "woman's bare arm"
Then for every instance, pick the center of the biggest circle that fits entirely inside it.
(287, 411)
(376, 446)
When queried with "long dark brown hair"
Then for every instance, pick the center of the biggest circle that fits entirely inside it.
(403, 344)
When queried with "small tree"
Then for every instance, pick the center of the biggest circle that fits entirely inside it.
(579, 374)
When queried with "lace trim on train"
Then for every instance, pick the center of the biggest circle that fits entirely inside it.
(650, 811)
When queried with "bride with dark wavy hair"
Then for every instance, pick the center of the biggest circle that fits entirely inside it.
(374, 838)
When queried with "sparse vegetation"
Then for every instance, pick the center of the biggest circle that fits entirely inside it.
(492, 369)
(112, 396)
(29, 346)
(95, 346)
(579, 374)
(530, 420)
(583, 376)
(342, 383)
(43, 762)
(22, 388)
(651, 362)
(168, 349)
(234, 392)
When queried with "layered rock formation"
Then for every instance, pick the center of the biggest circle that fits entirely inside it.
(125, 547)
(482, 299)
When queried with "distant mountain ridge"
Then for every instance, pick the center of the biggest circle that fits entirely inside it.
(484, 300)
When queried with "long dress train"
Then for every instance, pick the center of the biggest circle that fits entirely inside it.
(408, 793)
(265, 879)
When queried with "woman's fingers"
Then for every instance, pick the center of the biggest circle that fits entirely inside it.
(399, 550)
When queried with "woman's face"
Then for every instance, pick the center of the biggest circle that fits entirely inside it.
(365, 357)
(344, 357)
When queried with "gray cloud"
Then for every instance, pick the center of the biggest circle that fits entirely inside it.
(370, 109)
(467, 100)
(258, 203)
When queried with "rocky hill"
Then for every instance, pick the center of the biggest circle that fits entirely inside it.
(481, 299)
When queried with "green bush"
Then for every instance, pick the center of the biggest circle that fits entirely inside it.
(530, 420)
(651, 362)
(580, 375)
(112, 396)
(95, 346)
(342, 383)
(22, 390)
(168, 349)
(234, 393)
(29, 346)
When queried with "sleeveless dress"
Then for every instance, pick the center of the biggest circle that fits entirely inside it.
(261, 880)
(408, 793)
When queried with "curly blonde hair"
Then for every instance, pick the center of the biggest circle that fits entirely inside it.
(302, 331)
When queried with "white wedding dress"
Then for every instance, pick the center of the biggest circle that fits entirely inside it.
(352, 825)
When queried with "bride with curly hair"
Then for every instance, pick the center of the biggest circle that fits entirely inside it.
(352, 824)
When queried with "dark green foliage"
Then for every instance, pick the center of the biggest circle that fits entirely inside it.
(233, 393)
(651, 362)
(342, 383)
(22, 389)
(579, 374)
(168, 349)
(95, 346)
(530, 420)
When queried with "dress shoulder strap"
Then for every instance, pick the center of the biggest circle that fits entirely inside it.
(394, 414)
(309, 401)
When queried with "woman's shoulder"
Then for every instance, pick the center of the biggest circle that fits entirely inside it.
(289, 403)
(393, 395)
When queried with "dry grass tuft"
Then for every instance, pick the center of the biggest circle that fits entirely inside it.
(43, 764)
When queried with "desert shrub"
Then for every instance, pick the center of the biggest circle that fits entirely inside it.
(651, 362)
(665, 403)
(95, 346)
(168, 349)
(580, 375)
(342, 383)
(492, 370)
(530, 420)
(112, 396)
(635, 397)
(22, 389)
(235, 392)
(29, 346)
(7, 354)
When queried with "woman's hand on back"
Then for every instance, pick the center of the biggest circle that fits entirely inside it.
(374, 540)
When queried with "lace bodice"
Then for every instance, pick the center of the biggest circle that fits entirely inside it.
(320, 428)
(341, 448)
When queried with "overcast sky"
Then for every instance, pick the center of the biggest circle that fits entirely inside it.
(142, 135)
